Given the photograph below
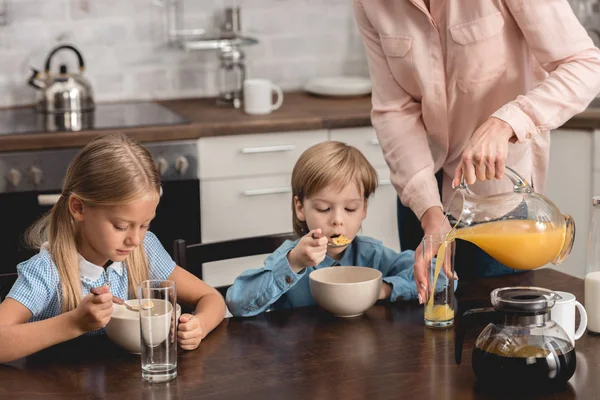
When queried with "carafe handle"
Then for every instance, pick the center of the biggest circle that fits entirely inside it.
(465, 320)
(520, 184)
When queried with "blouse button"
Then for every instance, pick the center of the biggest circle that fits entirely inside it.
(288, 280)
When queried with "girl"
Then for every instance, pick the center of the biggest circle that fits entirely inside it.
(94, 244)
(331, 185)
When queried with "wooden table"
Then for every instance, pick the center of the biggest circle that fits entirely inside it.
(298, 354)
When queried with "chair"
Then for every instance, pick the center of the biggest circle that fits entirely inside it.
(6, 283)
(192, 256)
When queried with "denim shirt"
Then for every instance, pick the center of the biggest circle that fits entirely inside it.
(277, 286)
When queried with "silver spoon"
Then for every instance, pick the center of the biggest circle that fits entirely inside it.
(331, 243)
(148, 305)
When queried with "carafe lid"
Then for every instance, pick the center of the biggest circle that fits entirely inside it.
(523, 300)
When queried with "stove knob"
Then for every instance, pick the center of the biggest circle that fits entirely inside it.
(182, 165)
(13, 176)
(37, 175)
(161, 166)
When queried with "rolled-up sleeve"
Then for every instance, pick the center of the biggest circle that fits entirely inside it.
(397, 119)
(564, 49)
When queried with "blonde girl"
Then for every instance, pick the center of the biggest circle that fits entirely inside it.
(94, 244)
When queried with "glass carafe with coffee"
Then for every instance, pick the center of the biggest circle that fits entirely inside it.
(522, 347)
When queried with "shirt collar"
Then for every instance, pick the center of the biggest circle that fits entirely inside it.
(93, 271)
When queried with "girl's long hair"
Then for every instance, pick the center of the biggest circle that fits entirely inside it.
(111, 170)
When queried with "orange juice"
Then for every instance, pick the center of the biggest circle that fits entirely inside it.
(518, 244)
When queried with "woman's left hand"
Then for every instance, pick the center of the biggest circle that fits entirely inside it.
(189, 332)
(484, 156)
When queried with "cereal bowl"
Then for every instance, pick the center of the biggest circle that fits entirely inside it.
(124, 325)
(345, 291)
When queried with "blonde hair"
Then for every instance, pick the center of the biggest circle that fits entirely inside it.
(325, 164)
(111, 170)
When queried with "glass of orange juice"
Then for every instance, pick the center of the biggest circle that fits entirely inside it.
(439, 258)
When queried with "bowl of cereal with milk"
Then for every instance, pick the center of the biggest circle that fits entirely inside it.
(124, 325)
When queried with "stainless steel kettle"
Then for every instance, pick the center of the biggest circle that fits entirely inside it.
(65, 91)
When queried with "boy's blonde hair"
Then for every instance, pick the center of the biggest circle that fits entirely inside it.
(111, 170)
(325, 164)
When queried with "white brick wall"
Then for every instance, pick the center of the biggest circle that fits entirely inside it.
(124, 45)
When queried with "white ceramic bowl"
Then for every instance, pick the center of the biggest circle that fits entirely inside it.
(124, 326)
(345, 291)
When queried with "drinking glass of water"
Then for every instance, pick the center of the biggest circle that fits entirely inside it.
(158, 329)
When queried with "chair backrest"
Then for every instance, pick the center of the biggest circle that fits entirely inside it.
(6, 282)
(192, 256)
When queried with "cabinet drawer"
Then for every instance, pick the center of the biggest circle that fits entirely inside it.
(237, 208)
(381, 222)
(363, 139)
(248, 155)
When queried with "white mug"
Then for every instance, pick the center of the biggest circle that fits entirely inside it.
(258, 96)
(563, 313)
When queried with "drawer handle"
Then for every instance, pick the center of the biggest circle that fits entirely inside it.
(384, 182)
(374, 142)
(48, 199)
(262, 192)
(268, 149)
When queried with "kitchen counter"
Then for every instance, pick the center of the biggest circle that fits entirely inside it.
(300, 111)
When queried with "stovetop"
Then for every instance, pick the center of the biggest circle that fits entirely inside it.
(105, 116)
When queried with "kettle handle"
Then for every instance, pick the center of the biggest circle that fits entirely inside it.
(66, 46)
(464, 321)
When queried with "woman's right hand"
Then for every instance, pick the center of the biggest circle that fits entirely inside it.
(310, 251)
(95, 309)
(433, 223)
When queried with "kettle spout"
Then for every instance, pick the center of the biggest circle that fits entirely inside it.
(35, 80)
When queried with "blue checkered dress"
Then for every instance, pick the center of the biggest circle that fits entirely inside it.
(38, 288)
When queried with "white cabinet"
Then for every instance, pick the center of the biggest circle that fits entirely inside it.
(569, 185)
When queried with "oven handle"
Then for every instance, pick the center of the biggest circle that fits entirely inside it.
(49, 200)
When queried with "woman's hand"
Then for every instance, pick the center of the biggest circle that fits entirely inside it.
(189, 332)
(95, 310)
(310, 251)
(484, 157)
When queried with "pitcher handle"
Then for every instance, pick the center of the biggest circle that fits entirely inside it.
(520, 184)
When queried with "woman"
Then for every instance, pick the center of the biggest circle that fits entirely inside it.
(465, 88)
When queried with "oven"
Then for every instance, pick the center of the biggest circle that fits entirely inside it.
(32, 180)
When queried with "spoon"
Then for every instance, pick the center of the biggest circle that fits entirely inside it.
(117, 300)
(331, 243)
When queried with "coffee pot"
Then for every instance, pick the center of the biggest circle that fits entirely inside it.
(520, 228)
(521, 346)
(62, 92)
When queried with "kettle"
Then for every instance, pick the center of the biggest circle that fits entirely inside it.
(521, 228)
(62, 92)
(522, 347)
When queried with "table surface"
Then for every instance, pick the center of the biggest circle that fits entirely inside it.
(303, 353)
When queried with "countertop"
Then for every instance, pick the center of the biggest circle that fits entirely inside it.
(300, 111)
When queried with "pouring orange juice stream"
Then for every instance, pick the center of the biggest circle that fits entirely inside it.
(518, 244)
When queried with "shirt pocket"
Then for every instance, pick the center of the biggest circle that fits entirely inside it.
(479, 54)
(399, 55)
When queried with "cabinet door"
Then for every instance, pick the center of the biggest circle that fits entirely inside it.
(237, 208)
(253, 155)
(569, 186)
(381, 222)
(363, 139)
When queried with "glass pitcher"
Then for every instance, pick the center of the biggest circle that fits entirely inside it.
(521, 229)
(522, 347)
